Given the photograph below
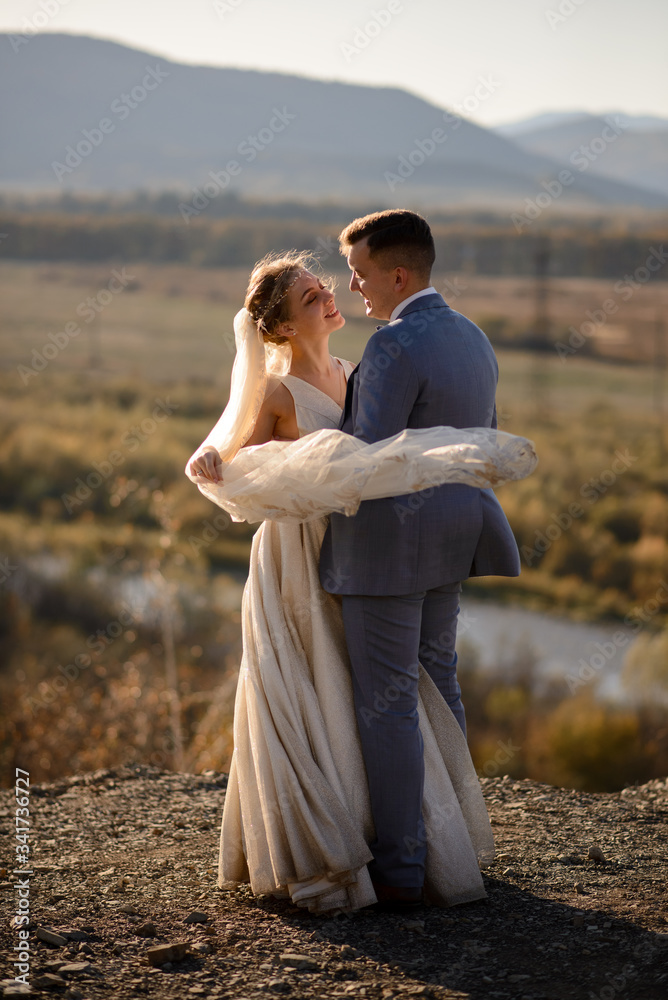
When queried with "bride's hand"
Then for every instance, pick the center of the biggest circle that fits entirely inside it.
(207, 463)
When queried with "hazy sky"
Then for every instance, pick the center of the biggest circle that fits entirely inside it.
(498, 61)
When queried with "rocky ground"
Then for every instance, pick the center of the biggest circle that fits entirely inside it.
(124, 867)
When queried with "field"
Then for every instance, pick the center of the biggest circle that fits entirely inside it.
(121, 584)
(167, 319)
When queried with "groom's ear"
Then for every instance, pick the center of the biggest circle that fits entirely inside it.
(401, 278)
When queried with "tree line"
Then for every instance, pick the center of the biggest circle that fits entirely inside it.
(233, 232)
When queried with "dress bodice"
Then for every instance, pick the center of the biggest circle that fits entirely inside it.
(313, 407)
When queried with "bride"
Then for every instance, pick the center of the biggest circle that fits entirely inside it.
(297, 818)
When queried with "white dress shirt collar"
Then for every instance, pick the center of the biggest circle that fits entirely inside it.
(396, 312)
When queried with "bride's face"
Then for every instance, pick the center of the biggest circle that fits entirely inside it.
(312, 309)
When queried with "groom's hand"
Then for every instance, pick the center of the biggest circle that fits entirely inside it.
(207, 463)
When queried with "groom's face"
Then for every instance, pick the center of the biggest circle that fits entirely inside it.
(376, 284)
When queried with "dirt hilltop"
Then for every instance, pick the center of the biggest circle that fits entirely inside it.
(124, 861)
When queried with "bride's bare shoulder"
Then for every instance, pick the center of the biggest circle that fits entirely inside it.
(277, 397)
(348, 365)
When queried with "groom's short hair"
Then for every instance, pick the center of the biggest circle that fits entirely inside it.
(395, 238)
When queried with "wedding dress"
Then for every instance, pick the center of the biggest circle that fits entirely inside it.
(297, 820)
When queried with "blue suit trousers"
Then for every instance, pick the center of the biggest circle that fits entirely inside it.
(387, 638)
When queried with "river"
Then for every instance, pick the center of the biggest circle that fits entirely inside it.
(560, 647)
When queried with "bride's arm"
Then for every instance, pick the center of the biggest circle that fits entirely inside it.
(276, 419)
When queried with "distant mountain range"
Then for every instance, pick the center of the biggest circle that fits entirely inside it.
(638, 154)
(84, 114)
(635, 123)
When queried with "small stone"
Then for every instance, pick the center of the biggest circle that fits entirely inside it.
(75, 935)
(50, 981)
(347, 951)
(580, 889)
(196, 917)
(129, 909)
(17, 990)
(202, 948)
(75, 968)
(518, 978)
(414, 925)
(50, 937)
(597, 854)
(278, 985)
(146, 930)
(578, 920)
(303, 962)
(167, 953)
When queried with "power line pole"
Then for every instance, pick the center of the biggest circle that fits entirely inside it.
(659, 383)
(541, 327)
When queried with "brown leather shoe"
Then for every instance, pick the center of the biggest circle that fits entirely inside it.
(397, 898)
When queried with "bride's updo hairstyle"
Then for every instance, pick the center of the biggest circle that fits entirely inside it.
(270, 281)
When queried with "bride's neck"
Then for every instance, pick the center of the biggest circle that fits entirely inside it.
(311, 359)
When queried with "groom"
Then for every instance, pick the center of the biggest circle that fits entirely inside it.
(399, 562)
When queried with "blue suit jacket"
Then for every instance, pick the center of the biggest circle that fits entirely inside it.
(430, 367)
